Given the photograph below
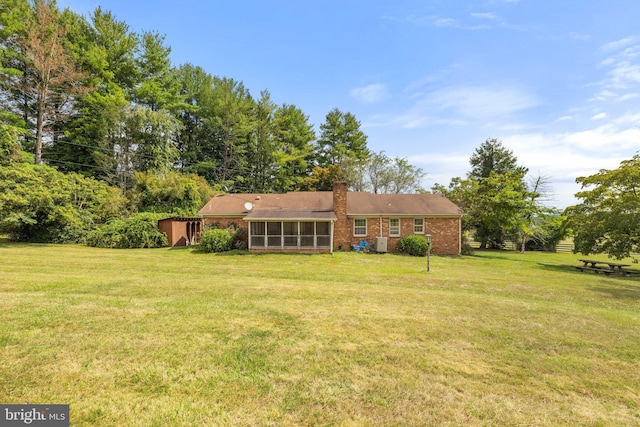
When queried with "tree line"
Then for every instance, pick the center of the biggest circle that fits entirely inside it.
(112, 127)
(90, 96)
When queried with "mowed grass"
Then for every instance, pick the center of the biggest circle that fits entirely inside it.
(176, 337)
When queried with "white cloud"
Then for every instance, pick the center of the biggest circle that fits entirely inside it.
(579, 36)
(564, 118)
(480, 102)
(599, 116)
(487, 15)
(562, 156)
(603, 95)
(624, 74)
(616, 45)
(567, 156)
(370, 94)
(629, 96)
(444, 22)
(621, 80)
(461, 106)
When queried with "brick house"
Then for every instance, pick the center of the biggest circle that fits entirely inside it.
(324, 221)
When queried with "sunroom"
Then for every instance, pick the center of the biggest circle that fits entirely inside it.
(290, 231)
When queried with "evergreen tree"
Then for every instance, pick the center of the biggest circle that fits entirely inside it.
(492, 156)
(14, 100)
(195, 140)
(294, 155)
(230, 120)
(340, 139)
(159, 87)
(262, 148)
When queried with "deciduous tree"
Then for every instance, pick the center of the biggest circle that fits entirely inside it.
(607, 219)
(53, 75)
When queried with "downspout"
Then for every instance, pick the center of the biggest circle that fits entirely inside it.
(381, 227)
(331, 231)
(460, 235)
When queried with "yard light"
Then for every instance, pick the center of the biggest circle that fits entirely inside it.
(428, 236)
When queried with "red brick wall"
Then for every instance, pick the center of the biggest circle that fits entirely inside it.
(342, 228)
(445, 233)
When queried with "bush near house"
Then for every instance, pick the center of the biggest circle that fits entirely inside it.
(138, 231)
(414, 245)
(216, 240)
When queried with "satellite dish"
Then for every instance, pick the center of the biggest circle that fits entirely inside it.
(248, 206)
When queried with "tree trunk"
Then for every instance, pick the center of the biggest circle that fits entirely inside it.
(41, 105)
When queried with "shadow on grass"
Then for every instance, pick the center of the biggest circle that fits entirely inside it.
(492, 254)
(5, 242)
(558, 268)
(197, 250)
(620, 291)
(564, 268)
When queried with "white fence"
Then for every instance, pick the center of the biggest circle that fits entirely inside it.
(513, 246)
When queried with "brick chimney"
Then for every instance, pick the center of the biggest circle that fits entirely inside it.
(342, 227)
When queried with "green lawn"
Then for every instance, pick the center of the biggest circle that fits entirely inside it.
(175, 337)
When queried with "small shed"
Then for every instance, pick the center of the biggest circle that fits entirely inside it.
(181, 231)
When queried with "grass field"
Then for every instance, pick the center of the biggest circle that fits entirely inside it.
(175, 337)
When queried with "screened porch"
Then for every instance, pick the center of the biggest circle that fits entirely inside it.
(290, 235)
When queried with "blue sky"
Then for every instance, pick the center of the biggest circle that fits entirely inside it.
(557, 81)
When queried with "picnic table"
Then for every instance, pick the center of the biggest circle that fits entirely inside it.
(605, 267)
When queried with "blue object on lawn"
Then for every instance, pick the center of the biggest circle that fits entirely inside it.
(362, 246)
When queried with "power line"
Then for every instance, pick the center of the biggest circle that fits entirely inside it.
(107, 151)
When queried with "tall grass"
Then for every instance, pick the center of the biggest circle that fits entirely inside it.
(177, 337)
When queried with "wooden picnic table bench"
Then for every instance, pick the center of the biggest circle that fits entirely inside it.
(599, 267)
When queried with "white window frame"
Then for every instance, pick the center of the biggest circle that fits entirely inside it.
(418, 228)
(356, 227)
(395, 228)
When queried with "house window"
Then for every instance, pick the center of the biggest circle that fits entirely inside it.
(394, 226)
(418, 226)
(360, 227)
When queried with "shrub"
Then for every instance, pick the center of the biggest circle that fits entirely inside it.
(414, 245)
(138, 231)
(240, 238)
(174, 192)
(216, 240)
(40, 204)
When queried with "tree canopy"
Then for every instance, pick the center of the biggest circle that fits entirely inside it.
(499, 203)
(607, 219)
(89, 97)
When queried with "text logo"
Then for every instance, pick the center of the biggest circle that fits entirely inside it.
(34, 415)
